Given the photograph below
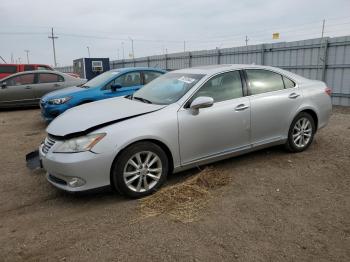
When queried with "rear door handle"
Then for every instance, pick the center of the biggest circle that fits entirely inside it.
(28, 87)
(293, 95)
(241, 107)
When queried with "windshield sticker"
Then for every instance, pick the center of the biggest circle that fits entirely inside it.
(187, 80)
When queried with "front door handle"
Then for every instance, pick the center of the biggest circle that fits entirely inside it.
(28, 87)
(293, 95)
(241, 107)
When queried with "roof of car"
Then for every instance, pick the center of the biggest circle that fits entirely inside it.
(213, 69)
(34, 71)
(129, 69)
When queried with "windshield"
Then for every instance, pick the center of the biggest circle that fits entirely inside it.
(98, 80)
(167, 88)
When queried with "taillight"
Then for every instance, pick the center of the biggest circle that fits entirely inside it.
(328, 91)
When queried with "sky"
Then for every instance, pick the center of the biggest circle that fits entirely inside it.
(108, 27)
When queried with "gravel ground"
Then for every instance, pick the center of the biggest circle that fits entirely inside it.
(277, 207)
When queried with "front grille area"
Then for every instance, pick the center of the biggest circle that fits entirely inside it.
(57, 180)
(48, 143)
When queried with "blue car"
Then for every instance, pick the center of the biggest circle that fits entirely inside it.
(113, 83)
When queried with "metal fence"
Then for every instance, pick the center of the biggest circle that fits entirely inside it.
(326, 59)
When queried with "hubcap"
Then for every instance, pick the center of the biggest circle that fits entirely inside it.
(142, 171)
(302, 132)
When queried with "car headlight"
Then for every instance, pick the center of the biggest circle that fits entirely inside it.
(79, 144)
(59, 101)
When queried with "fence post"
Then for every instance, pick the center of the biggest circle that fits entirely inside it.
(189, 59)
(148, 62)
(262, 54)
(166, 61)
(219, 53)
(324, 60)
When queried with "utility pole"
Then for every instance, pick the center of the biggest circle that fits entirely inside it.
(132, 47)
(88, 48)
(246, 40)
(184, 46)
(323, 24)
(123, 50)
(27, 51)
(53, 37)
(12, 60)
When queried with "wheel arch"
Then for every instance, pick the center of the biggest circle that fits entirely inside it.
(312, 113)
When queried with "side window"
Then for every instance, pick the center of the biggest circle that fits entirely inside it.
(26, 79)
(149, 76)
(41, 67)
(129, 79)
(263, 81)
(29, 67)
(223, 87)
(8, 69)
(50, 78)
(288, 83)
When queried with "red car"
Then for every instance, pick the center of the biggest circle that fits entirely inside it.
(9, 69)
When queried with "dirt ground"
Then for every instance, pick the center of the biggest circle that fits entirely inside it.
(277, 207)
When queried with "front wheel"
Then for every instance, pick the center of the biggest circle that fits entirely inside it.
(140, 169)
(301, 133)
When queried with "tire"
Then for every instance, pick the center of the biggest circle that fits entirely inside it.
(304, 125)
(130, 166)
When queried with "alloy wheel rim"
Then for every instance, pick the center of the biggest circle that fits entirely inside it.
(302, 132)
(142, 171)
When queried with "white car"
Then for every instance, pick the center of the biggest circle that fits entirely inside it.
(182, 119)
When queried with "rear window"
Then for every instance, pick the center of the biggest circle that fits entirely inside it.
(9, 69)
(42, 67)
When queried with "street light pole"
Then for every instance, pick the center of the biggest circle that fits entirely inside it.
(123, 50)
(132, 47)
(27, 51)
(88, 49)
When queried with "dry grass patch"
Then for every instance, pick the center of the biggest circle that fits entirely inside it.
(183, 200)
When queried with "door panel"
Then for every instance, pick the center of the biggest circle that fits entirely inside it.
(272, 106)
(214, 130)
(18, 90)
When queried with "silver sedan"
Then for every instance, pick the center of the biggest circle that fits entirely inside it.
(26, 88)
(182, 119)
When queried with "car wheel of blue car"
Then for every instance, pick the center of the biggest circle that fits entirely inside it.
(140, 169)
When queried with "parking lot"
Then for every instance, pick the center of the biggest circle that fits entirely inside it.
(275, 207)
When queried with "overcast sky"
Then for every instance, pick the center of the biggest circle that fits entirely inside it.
(158, 26)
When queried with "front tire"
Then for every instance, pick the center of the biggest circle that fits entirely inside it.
(301, 133)
(140, 169)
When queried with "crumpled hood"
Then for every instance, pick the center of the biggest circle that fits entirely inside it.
(68, 91)
(84, 118)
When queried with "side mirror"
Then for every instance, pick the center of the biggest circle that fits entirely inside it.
(202, 102)
(3, 85)
(114, 87)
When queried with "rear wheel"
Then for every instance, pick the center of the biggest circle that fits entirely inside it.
(301, 133)
(140, 169)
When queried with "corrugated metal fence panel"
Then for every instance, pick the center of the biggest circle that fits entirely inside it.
(304, 57)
